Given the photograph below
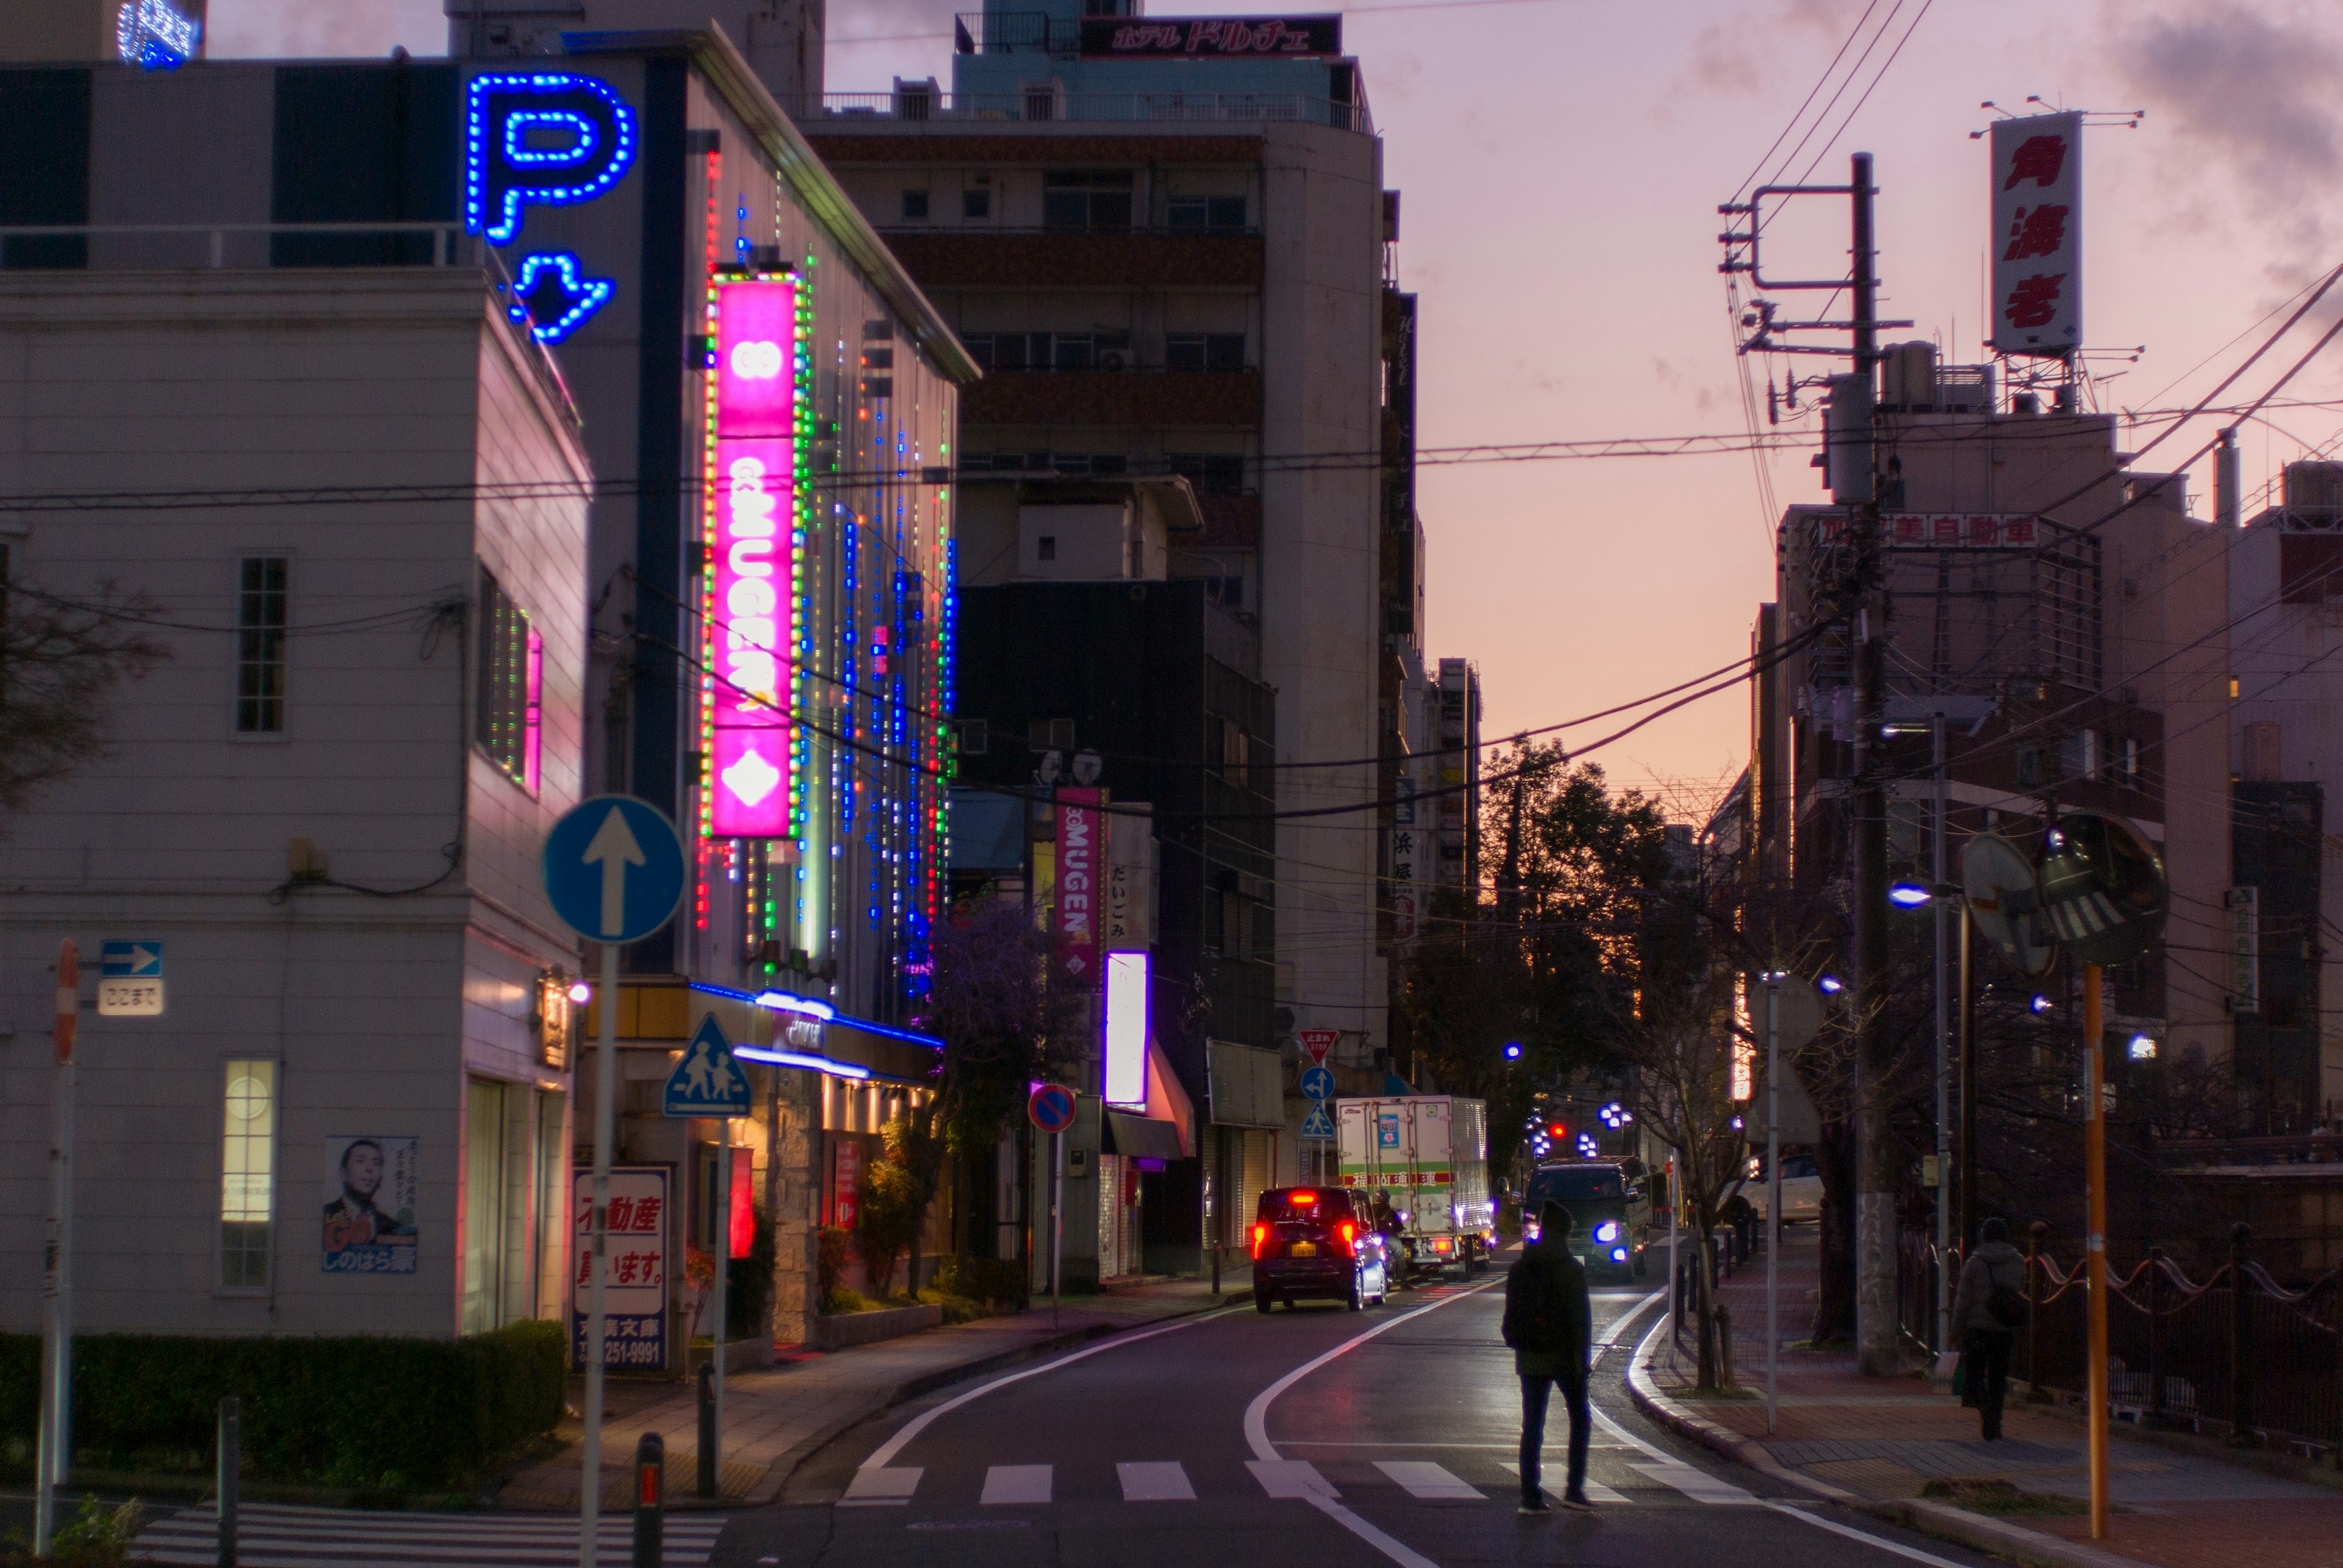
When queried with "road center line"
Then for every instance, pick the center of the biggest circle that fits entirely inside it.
(1256, 1430)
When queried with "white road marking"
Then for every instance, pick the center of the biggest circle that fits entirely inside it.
(1420, 1478)
(1596, 1490)
(1017, 1484)
(1696, 1482)
(1155, 1482)
(879, 1487)
(1291, 1478)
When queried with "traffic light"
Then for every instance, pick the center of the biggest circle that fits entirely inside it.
(1558, 1131)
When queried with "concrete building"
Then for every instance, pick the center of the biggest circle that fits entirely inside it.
(621, 193)
(1167, 243)
(349, 505)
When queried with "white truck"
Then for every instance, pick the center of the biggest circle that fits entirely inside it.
(1429, 1154)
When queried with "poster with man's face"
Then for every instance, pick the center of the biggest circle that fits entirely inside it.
(370, 1183)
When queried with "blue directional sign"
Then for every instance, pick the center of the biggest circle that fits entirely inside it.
(130, 961)
(707, 1082)
(613, 869)
(1317, 1124)
(1318, 1083)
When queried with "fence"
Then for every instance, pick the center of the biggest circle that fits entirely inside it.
(2239, 1355)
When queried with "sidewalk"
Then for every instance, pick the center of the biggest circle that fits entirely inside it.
(775, 1419)
(1876, 1443)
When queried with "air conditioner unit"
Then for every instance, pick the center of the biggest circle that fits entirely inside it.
(1114, 359)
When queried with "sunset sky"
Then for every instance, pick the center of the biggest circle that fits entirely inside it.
(1561, 163)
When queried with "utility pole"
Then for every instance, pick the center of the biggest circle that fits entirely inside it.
(1944, 1044)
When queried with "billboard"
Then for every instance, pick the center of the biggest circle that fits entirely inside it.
(634, 1268)
(2037, 235)
(1079, 820)
(370, 1187)
(751, 518)
(1210, 37)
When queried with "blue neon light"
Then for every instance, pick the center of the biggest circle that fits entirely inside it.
(502, 175)
(154, 36)
(519, 123)
(577, 295)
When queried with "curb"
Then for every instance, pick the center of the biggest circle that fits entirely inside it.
(1939, 1519)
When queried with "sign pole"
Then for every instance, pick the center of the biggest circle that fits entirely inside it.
(605, 1075)
(2095, 1167)
(1773, 1188)
(54, 1461)
(1057, 1217)
(722, 1285)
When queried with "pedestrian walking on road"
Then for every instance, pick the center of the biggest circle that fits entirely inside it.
(1550, 1324)
(1988, 1310)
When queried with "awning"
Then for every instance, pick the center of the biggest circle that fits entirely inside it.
(1136, 1137)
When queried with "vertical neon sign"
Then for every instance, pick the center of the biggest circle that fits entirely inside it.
(754, 539)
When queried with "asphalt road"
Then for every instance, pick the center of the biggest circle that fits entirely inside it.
(1235, 1439)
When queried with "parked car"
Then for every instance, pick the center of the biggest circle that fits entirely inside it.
(1316, 1242)
(1802, 1188)
(1611, 1215)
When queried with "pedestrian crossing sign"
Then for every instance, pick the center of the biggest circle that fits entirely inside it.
(707, 1081)
(1317, 1124)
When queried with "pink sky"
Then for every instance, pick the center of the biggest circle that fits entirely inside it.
(1561, 161)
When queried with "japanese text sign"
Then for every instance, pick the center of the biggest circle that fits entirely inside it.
(634, 1273)
(1079, 820)
(2037, 235)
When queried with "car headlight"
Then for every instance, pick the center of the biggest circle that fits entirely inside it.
(1618, 1254)
(1607, 1232)
(1531, 1231)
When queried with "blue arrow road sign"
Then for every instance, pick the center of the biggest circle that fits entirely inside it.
(613, 869)
(1316, 1124)
(1318, 1082)
(707, 1082)
(131, 961)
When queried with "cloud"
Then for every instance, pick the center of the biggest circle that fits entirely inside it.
(349, 29)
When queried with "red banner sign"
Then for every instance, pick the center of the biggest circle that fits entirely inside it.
(1079, 821)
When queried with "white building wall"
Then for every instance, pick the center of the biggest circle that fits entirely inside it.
(376, 1008)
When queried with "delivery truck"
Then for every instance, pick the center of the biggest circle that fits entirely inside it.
(1429, 1155)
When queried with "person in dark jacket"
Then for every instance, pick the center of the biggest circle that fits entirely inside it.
(1995, 1270)
(1550, 1324)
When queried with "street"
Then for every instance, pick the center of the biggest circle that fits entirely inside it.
(1205, 1441)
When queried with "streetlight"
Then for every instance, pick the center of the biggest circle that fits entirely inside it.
(1514, 1052)
(1943, 898)
(1829, 985)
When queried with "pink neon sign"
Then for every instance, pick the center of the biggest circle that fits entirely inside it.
(751, 500)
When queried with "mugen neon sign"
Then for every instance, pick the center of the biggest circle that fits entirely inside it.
(756, 547)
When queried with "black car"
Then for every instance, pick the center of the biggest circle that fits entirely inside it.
(1316, 1242)
(1611, 1216)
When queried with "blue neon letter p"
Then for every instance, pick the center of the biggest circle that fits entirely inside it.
(547, 139)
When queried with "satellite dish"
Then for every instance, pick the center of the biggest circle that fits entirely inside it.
(1997, 879)
(2103, 887)
(1052, 764)
(1088, 766)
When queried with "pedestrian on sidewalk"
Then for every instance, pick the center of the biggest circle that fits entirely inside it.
(1550, 1324)
(1989, 1309)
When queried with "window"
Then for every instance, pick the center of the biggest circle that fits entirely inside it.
(1109, 465)
(1049, 546)
(1049, 350)
(260, 645)
(1193, 351)
(508, 723)
(976, 203)
(1209, 215)
(248, 1175)
(1212, 473)
(1086, 200)
(915, 206)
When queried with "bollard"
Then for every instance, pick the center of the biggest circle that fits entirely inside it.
(2034, 1236)
(2241, 1364)
(650, 1503)
(707, 1428)
(231, 1468)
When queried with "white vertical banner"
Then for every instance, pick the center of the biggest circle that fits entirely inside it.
(2037, 235)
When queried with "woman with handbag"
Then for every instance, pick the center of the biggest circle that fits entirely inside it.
(1988, 1310)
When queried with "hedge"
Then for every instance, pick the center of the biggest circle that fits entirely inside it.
(392, 1414)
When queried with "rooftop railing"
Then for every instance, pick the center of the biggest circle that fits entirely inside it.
(1039, 105)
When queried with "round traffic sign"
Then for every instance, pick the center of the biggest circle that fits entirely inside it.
(1051, 1108)
(1318, 1082)
(613, 869)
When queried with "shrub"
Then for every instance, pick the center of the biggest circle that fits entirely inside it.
(833, 1250)
(999, 1280)
(389, 1413)
(957, 1308)
(749, 1286)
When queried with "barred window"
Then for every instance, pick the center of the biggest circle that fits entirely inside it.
(506, 721)
(248, 1175)
(260, 606)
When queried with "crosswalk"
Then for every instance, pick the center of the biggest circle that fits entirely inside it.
(279, 1537)
(1168, 1481)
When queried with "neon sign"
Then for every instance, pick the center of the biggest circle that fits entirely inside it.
(553, 298)
(551, 139)
(755, 546)
(155, 36)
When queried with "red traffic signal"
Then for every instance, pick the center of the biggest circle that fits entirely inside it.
(1558, 1131)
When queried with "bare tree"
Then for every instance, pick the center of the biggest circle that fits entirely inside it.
(61, 662)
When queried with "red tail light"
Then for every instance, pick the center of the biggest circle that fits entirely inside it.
(1260, 1238)
(1350, 1234)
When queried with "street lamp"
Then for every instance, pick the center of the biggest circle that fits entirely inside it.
(1829, 985)
(1908, 895)
(1514, 1052)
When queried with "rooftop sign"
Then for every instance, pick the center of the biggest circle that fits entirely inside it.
(1210, 37)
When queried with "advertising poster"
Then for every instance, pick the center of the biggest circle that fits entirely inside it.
(370, 1181)
(846, 1188)
(1078, 886)
(633, 1274)
(2037, 235)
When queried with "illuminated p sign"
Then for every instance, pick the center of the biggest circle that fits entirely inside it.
(548, 138)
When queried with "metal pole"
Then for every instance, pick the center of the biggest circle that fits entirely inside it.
(1772, 1188)
(1057, 1218)
(606, 1127)
(1676, 1290)
(1968, 1088)
(724, 1282)
(53, 1465)
(651, 1500)
(1943, 1056)
(2095, 1170)
(231, 1471)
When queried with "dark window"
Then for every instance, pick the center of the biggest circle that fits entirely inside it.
(1210, 215)
(1049, 546)
(260, 605)
(975, 737)
(1304, 1203)
(44, 165)
(976, 203)
(1573, 1184)
(1212, 473)
(1086, 200)
(506, 721)
(363, 143)
(915, 205)
(1193, 351)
